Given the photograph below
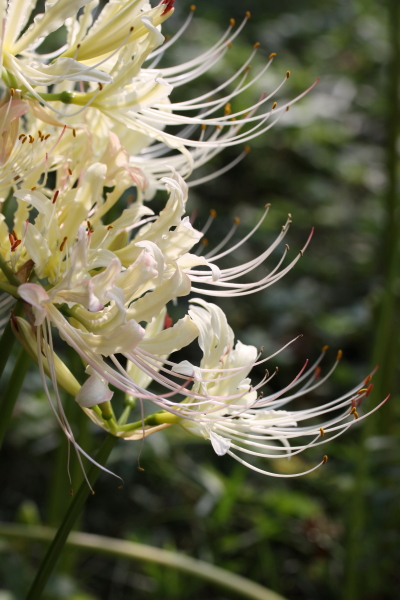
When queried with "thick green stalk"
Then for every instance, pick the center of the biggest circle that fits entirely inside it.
(7, 339)
(132, 550)
(387, 338)
(77, 504)
(12, 391)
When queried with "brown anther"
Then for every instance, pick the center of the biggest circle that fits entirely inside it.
(74, 132)
(33, 188)
(69, 171)
(63, 244)
(40, 133)
(301, 253)
(247, 149)
(261, 395)
(272, 55)
(227, 109)
(24, 140)
(233, 119)
(287, 74)
(14, 234)
(236, 220)
(287, 247)
(89, 224)
(203, 126)
(317, 372)
(370, 388)
(325, 459)
(275, 104)
(17, 177)
(120, 487)
(78, 46)
(192, 7)
(15, 245)
(266, 373)
(321, 429)
(232, 22)
(356, 415)
(100, 86)
(55, 196)
(31, 139)
(213, 213)
(11, 238)
(129, 200)
(21, 135)
(247, 69)
(248, 14)
(12, 92)
(93, 492)
(261, 349)
(46, 137)
(367, 379)
(71, 492)
(110, 227)
(287, 109)
(339, 355)
(325, 348)
(229, 45)
(131, 29)
(218, 127)
(204, 241)
(256, 45)
(167, 37)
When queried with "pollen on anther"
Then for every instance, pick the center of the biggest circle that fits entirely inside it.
(33, 188)
(322, 431)
(100, 86)
(256, 45)
(325, 348)
(12, 92)
(21, 135)
(232, 22)
(46, 137)
(339, 355)
(287, 108)
(247, 149)
(203, 126)
(193, 7)
(227, 109)
(272, 55)
(325, 459)
(248, 14)
(63, 244)
(69, 171)
(236, 220)
(110, 227)
(230, 45)
(131, 29)
(213, 213)
(204, 241)
(369, 390)
(287, 74)
(275, 104)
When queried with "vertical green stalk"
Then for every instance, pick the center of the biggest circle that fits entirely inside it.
(387, 323)
(77, 504)
(12, 391)
(8, 338)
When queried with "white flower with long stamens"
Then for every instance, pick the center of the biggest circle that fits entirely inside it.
(258, 427)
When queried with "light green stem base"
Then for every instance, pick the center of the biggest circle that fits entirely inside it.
(132, 550)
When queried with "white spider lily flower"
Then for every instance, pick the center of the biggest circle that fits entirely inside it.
(256, 426)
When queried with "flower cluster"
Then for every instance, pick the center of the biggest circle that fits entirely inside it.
(81, 128)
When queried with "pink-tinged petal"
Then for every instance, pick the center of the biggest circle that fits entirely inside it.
(37, 297)
(94, 391)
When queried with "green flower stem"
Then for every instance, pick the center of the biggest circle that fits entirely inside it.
(158, 418)
(8, 338)
(10, 289)
(9, 273)
(12, 391)
(135, 551)
(77, 504)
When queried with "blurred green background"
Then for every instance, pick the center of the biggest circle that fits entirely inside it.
(332, 163)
